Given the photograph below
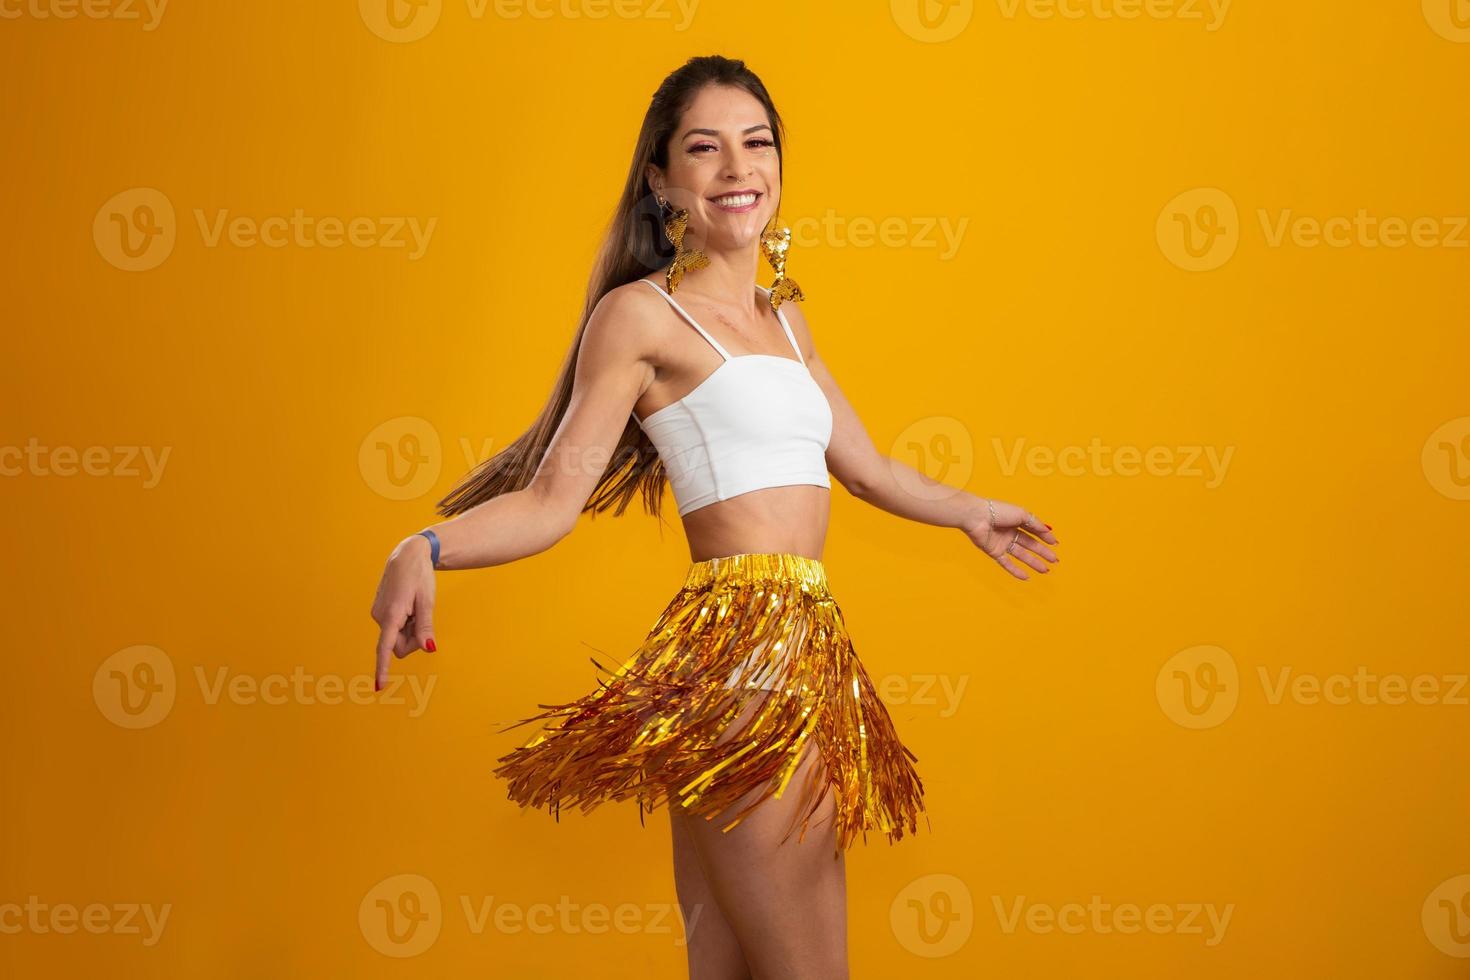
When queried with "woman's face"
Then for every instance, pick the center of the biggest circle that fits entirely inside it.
(723, 145)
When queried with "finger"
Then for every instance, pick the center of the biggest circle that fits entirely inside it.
(405, 643)
(1027, 557)
(385, 648)
(994, 537)
(1039, 528)
(423, 617)
(1017, 552)
(1039, 547)
(1010, 566)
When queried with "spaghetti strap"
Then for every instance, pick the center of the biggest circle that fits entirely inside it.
(692, 322)
(787, 327)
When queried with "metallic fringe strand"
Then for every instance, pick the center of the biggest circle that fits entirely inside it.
(654, 726)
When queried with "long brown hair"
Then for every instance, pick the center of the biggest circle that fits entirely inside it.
(634, 245)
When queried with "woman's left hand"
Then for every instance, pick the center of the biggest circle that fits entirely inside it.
(1013, 535)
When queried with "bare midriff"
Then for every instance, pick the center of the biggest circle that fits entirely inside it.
(778, 520)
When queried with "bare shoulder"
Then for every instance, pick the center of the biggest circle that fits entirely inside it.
(625, 321)
(799, 326)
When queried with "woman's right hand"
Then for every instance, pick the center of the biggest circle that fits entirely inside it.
(999, 529)
(404, 606)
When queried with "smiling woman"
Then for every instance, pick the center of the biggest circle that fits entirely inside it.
(745, 710)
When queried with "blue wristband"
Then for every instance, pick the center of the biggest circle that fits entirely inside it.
(433, 547)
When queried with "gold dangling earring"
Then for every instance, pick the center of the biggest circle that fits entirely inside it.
(775, 242)
(685, 260)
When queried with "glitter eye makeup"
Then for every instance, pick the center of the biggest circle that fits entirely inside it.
(758, 139)
(755, 144)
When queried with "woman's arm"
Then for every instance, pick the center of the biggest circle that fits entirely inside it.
(614, 364)
(896, 487)
(612, 369)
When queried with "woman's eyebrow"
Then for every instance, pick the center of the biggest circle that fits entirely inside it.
(716, 132)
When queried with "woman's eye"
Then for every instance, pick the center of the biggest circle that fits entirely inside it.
(761, 143)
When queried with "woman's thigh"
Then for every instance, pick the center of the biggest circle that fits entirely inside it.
(786, 902)
(712, 947)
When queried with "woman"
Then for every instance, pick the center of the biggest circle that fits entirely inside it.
(745, 703)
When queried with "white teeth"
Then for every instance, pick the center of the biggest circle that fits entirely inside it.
(735, 200)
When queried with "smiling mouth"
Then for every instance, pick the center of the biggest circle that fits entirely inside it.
(737, 201)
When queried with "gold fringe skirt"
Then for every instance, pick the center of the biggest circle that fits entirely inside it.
(755, 627)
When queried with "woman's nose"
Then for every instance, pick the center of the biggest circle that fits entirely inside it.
(738, 166)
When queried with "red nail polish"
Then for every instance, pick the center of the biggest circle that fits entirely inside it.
(1048, 526)
(429, 645)
(376, 685)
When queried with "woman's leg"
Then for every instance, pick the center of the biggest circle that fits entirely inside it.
(713, 950)
(785, 902)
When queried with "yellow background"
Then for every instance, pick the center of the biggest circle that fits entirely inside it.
(1072, 765)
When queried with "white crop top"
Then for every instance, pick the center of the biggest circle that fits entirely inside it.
(757, 421)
